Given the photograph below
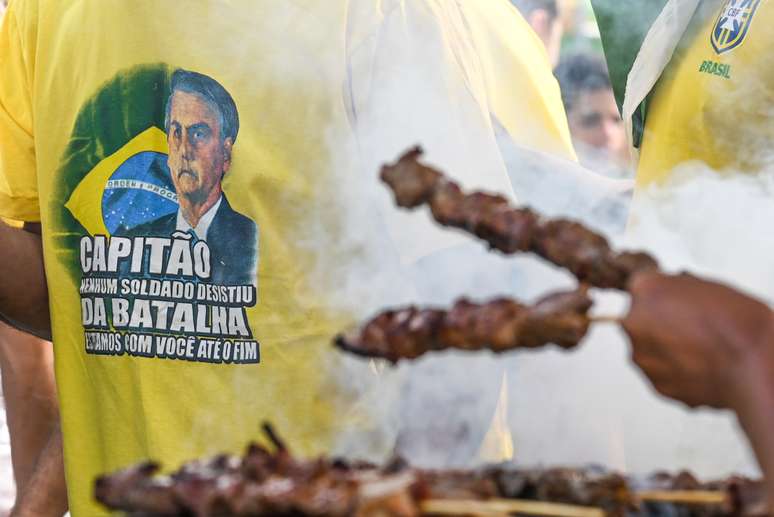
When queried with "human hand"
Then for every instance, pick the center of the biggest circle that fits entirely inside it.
(699, 342)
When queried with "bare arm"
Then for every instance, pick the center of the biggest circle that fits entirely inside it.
(46, 493)
(27, 368)
(755, 410)
(23, 289)
(706, 344)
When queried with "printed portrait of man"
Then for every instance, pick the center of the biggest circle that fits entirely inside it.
(202, 124)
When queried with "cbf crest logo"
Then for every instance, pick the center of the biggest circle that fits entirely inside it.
(733, 24)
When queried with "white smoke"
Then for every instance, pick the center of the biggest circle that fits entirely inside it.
(713, 223)
(591, 405)
(587, 406)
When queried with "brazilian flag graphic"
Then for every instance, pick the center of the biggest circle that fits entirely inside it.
(189, 303)
(114, 172)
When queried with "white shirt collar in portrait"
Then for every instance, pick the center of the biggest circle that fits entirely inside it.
(204, 223)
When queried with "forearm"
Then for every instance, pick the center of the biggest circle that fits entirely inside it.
(755, 410)
(706, 344)
(23, 290)
(29, 390)
(46, 493)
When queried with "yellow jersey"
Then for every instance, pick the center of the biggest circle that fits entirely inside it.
(712, 103)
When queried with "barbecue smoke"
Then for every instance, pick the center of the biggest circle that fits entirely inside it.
(587, 406)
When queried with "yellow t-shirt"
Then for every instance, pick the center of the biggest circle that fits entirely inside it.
(176, 336)
(713, 103)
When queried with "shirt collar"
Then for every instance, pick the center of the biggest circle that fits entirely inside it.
(655, 53)
(204, 223)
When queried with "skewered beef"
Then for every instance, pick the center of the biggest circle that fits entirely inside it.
(274, 483)
(490, 217)
(500, 325)
(262, 483)
(584, 487)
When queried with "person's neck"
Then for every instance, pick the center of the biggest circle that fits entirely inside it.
(193, 209)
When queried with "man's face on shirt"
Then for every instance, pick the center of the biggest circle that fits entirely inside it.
(198, 156)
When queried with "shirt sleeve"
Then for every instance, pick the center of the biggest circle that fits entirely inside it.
(18, 167)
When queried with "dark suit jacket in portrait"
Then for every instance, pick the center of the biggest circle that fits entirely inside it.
(232, 239)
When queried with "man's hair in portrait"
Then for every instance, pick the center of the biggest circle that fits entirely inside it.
(213, 94)
(581, 73)
(527, 7)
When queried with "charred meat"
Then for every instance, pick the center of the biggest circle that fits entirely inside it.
(568, 244)
(266, 483)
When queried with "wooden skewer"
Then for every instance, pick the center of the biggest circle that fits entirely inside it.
(506, 507)
(696, 497)
(477, 512)
(605, 319)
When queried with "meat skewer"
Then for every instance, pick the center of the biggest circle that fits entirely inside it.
(264, 483)
(500, 326)
(510, 230)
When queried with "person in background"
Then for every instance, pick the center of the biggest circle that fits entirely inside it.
(597, 128)
(30, 414)
(543, 17)
(559, 187)
(681, 70)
